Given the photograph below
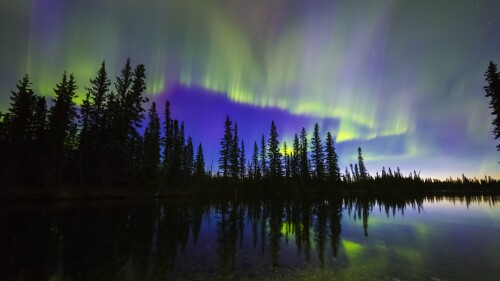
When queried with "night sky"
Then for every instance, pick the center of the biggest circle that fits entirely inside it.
(402, 79)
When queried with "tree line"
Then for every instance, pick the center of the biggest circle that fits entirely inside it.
(99, 143)
(278, 163)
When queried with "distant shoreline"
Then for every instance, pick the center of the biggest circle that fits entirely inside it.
(227, 192)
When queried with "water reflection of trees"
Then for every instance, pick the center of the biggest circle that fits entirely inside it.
(144, 240)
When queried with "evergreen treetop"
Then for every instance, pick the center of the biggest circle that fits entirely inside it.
(226, 145)
(492, 90)
(274, 154)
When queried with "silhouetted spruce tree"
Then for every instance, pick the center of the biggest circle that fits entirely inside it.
(354, 175)
(188, 158)
(493, 92)
(235, 154)
(248, 169)
(111, 135)
(317, 156)
(21, 113)
(20, 133)
(168, 141)
(274, 154)
(295, 160)
(127, 113)
(178, 145)
(120, 112)
(181, 145)
(384, 173)
(263, 161)
(200, 162)
(134, 102)
(347, 175)
(85, 111)
(363, 173)
(332, 166)
(151, 160)
(357, 175)
(93, 128)
(135, 98)
(398, 173)
(93, 106)
(63, 118)
(226, 145)
(304, 161)
(286, 160)
(255, 162)
(242, 161)
(98, 94)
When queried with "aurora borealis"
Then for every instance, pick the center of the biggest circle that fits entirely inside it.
(401, 79)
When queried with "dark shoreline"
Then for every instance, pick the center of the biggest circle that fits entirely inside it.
(228, 192)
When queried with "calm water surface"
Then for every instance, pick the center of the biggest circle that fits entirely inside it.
(356, 238)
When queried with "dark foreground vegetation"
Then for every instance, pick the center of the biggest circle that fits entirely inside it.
(97, 149)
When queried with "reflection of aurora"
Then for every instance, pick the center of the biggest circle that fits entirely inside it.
(378, 256)
(355, 238)
(396, 78)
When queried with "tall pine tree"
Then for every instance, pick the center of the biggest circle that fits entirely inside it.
(151, 154)
(226, 146)
(134, 114)
(21, 113)
(317, 156)
(274, 154)
(126, 112)
(63, 117)
(492, 76)
(242, 161)
(20, 132)
(363, 173)
(304, 160)
(235, 154)
(178, 145)
(332, 166)
(256, 173)
(200, 162)
(168, 140)
(188, 158)
(263, 155)
(94, 128)
(286, 160)
(295, 159)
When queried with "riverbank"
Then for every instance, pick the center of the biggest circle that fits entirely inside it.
(79, 193)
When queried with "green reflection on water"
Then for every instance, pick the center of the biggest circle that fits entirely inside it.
(352, 249)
